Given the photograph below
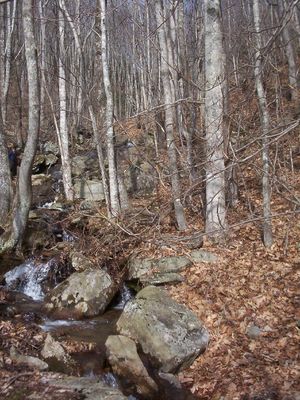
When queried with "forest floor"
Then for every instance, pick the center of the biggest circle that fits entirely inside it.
(248, 300)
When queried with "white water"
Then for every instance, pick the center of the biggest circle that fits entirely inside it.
(27, 278)
(126, 294)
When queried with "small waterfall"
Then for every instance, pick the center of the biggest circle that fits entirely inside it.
(124, 296)
(27, 278)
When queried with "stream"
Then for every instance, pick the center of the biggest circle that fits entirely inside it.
(28, 284)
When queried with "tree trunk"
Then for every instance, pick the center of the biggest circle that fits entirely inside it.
(5, 180)
(112, 170)
(264, 115)
(291, 57)
(169, 122)
(214, 113)
(23, 198)
(63, 137)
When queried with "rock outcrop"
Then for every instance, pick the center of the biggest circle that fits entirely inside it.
(126, 363)
(83, 294)
(166, 331)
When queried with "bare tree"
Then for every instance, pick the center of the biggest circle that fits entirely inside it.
(214, 114)
(265, 123)
(23, 194)
(112, 170)
(169, 118)
(63, 136)
(5, 181)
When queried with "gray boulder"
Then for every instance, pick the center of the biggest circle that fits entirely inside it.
(89, 190)
(157, 271)
(90, 388)
(200, 256)
(31, 362)
(167, 331)
(126, 363)
(83, 294)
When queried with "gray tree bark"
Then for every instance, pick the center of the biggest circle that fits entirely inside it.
(169, 119)
(265, 122)
(23, 195)
(5, 180)
(214, 114)
(112, 170)
(63, 137)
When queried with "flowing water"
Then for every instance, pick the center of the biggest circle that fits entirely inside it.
(29, 280)
(28, 277)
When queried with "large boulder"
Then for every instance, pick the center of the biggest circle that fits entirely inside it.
(126, 363)
(157, 271)
(83, 294)
(89, 190)
(89, 388)
(167, 331)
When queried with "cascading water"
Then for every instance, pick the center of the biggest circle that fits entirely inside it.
(28, 277)
(125, 295)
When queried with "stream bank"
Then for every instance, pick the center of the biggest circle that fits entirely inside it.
(84, 342)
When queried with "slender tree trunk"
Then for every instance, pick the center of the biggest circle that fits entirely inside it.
(63, 137)
(112, 170)
(169, 122)
(5, 180)
(265, 122)
(11, 17)
(100, 159)
(214, 114)
(23, 198)
(291, 56)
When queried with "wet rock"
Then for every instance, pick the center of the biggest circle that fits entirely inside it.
(157, 271)
(90, 388)
(83, 294)
(126, 363)
(32, 362)
(167, 331)
(91, 190)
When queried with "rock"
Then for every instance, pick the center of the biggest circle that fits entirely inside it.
(83, 294)
(171, 379)
(79, 262)
(161, 279)
(50, 159)
(167, 331)
(85, 164)
(56, 356)
(126, 363)
(253, 331)
(89, 388)
(53, 349)
(32, 362)
(157, 271)
(199, 256)
(39, 163)
(89, 190)
(78, 165)
(50, 147)
(41, 179)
